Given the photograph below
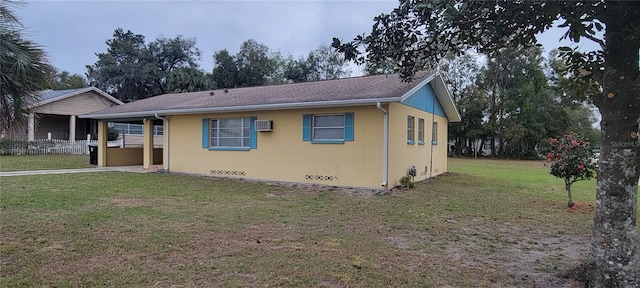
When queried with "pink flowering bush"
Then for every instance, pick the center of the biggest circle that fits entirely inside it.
(572, 160)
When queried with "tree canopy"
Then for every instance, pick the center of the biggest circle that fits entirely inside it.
(327, 64)
(255, 64)
(132, 69)
(511, 101)
(418, 33)
(64, 80)
(225, 71)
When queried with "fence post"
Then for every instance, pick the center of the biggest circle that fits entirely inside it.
(88, 141)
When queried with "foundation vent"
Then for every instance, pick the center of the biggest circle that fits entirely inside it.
(264, 125)
(228, 173)
(321, 177)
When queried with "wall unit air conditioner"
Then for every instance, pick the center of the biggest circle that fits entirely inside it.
(263, 125)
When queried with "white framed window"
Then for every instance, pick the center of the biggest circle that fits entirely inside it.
(410, 129)
(230, 132)
(136, 129)
(328, 127)
(434, 133)
(420, 130)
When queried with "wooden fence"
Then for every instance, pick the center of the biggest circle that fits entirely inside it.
(52, 146)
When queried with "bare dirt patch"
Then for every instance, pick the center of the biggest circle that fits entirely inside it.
(287, 188)
(532, 258)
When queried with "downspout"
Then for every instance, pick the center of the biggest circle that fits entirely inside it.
(385, 145)
(165, 147)
(433, 120)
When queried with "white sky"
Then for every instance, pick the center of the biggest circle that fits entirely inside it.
(72, 32)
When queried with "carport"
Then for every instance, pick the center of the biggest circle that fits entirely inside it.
(147, 155)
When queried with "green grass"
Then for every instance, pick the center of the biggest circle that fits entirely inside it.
(528, 175)
(43, 162)
(491, 223)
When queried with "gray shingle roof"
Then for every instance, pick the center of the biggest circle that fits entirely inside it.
(48, 96)
(339, 92)
(53, 94)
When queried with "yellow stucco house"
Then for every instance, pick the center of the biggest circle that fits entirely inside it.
(362, 132)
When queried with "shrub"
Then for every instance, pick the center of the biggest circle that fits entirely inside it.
(572, 160)
(407, 181)
(112, 134)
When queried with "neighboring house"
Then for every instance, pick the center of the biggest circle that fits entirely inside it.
(56, 113)
(482, 147)
(363, 131)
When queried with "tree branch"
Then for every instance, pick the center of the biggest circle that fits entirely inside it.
(594, 39)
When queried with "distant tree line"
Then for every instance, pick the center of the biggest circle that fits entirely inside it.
(133, 69)
(513, 102)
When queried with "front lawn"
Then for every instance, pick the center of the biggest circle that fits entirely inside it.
(489, 223)
(43, 162)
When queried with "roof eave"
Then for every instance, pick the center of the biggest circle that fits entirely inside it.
(84, 90)
(446, 100)
(281, 106)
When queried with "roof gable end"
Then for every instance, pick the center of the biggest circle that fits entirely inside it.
(432, 96)
(426, 100)
(49, 96)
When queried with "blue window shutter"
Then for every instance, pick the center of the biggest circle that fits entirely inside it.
(306, 127)
(348, 126)
(253, 135)
(205, 133)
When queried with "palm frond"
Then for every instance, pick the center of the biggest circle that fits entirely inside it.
(24, 71)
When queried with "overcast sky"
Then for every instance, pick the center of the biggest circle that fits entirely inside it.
(72, 32)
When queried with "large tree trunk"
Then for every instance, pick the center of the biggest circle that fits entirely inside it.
(614, 243)
(615, 240)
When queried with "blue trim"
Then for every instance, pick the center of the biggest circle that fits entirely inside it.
(348, 126)
(205, 132)
(253, 135)
(327, 142)
(420, 142)
(229, 148)
(434, 143)
(348, 130)
(410, 142)
(306, 127)
(425, 99)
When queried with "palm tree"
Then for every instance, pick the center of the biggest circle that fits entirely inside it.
(23, 71)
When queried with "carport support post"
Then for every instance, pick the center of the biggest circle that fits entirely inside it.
(102, 144)
(72, 129)
(147, 144)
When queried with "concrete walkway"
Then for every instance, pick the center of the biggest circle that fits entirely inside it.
(69, 171)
